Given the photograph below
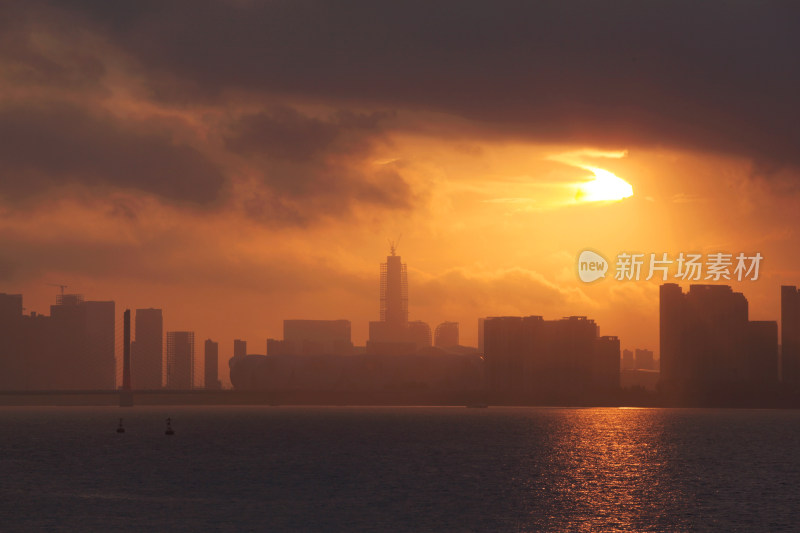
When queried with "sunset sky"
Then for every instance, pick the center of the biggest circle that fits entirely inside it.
(239, 162)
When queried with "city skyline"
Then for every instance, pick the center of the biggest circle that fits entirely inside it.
(147, 178)
(400, 266)
(338, 339)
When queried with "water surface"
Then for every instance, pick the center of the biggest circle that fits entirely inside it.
(399, 469)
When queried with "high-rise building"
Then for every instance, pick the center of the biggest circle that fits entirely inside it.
(180, 360)
(530, 356)
(605, 363)
(101, 344)
(707, 341)
(83, 341)
(394, 290)
(761, 349)
(480, 334)
(318, 337)
(14, 357)
(393, 334)
(644, 360)
(10, 306)
(446, 335)
(507, 343)
(147, 350)
(313, 337)
(391, 331)
(627, 360)
(211, 360)
(790, 335)
(419, 333)
(239, 348)
(73, 349)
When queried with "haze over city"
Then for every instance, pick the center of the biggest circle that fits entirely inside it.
(171, 156)
(520, 265)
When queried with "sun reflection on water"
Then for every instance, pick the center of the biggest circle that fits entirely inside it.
(605, 473)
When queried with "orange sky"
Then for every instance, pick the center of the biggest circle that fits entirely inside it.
(487, 235)
(204, 186)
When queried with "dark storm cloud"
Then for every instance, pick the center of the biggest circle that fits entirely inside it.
(62, 70)
(59, 144)
(285, 133)
(314, 166)
(718, 76)
(24, 37)
(708, 75)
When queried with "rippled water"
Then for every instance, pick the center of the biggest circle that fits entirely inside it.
(399, 469)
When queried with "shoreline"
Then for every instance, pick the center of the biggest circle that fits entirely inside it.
(472, 399)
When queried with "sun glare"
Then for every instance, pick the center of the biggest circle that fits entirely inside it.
(605, 186)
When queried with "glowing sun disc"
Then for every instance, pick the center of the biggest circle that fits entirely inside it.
(605, 186)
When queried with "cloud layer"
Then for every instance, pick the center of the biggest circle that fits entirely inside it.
(262, 152)
(711, 76)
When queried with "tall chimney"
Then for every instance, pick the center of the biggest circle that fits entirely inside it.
(126, 395)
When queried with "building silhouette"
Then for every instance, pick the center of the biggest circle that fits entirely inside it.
(394, 291)
(639, 369)
(605, 363)
(790, 335)
(72, 349)
(10, 306)
(708, 344)
(180, 360)
(392, 328)
(16, 336)
(529, 357)
(419, 333)
(761, 348)
(147, 350)
(317, 356)
(83, 334)
(211, 365)
(446, 335)
(393, 334)
(627, 360)
(239, 348)
(644, 360)
(480, 335)
(313, 337)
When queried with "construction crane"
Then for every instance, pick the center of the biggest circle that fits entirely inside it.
(60, 286)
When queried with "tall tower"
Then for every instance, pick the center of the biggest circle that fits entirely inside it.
(147, 351)
(394, 291)
(393, 334)
(180, 359)
(126, 396)
(211, 377)
(671, 314)
(790, 334)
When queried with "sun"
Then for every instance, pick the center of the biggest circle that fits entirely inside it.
(605, 186)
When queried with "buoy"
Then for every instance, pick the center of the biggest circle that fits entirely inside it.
(120, 429)
(169, 430)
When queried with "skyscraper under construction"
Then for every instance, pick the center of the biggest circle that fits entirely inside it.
(391, 334)
(394, 291)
